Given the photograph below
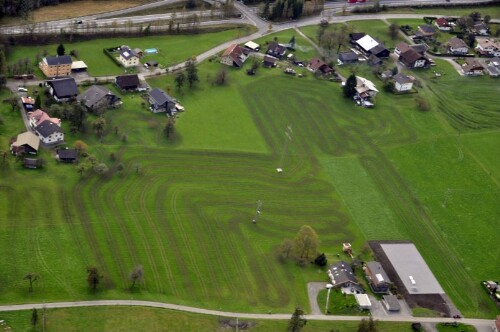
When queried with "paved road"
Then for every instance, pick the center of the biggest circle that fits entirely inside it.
(475, 322)
(313, 288)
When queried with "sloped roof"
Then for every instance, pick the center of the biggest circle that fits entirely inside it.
(58, 60)
(363, 82)
(402, 47)
(40, 116)
(442, 22)
(252, 45)
(127, 53)
(401, 79)
(27, 138)
(128, 81)
(472, 65)
(160, 96)
(340, 273)
(78, 65)
(276, 48)
(348, 56)
(316, 63)
(64, 87)
(426, 28)
(93, 95)
(377, 272)
(233, 49)
(410, 56)
(456, 42)
(67, 153)
(47, 128)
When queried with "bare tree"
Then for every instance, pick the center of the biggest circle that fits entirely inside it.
(31, 277)
(136, 275)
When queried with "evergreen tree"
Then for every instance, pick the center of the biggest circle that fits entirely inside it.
(297, 322)
(93, 277)
(38, 102)
(60, 50)
(192, 73)
(34, 317)
(179, 80)
(350, 87)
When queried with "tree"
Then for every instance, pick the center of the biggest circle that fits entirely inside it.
(170, 127)
(305, 243)
(34, 317)
(291, 43)
(393, 31)
(101, 168)
(12, 101)
(285, 248)
(221, 78)
(350, 86)
(93, 277)
(81, 169)
(179, 80)
(367, 325)
(60, 50)
(98, 125)
(31, 277)
(136, 275)
(321, 260)
(80, 146)
(38, 102)
(192, 73)
(3, 62)
(297, 322)
(422, 104)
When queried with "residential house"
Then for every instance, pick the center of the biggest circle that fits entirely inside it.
(472, 67)
(252, 46)
(376, 276)
(374, 60)
(457, 46)
(443, 24)
(97, 98)
(269, 61)
(493, 67)
(56, 66)
(67, 155)
(28, 103)
(63, 89)
(412, 59)
(402, 82)
(127, 82)
(347, 57)
(370, 46)
(342, 276)
(276, 50)
(128, 57)
(391, 303)
(317, 65)
(26, 142)
(488, 46)
(160, 101)
(37, 117)
(49, 132)
(480, 29)
(425, 31)
(233, 56)
(365, 89)
(402, 47)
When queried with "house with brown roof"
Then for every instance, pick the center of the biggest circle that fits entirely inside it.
(39, 116)
(412, 59)
(276, 50)
(269, 61)
(28, 103)
(317, 65)
(233, 56)
(56, 66)
(402, 47)
(26, 142)
(457, 46)
(127, 82)
(472, 67)
(443, 24)
(488, 46)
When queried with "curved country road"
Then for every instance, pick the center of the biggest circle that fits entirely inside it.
(16, 307)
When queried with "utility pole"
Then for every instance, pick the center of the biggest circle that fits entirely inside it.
(288, 138)
(257, 212)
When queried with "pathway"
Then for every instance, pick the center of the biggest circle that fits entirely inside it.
(313, 288)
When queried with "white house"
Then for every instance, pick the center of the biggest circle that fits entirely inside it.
(402, 82)
(128, 57)
(457, 46)
(49, 132)
(488, 46)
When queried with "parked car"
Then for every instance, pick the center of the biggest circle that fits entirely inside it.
(20, 89)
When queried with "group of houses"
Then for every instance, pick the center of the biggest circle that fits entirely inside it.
(448, 24)
(342, 277)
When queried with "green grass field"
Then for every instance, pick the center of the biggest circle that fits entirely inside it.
(172, 49)
(353, 174)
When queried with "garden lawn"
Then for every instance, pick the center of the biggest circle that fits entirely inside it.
(340, 304)
(493, 11)
(303, 48)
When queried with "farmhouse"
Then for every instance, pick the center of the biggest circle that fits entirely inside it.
(276, 50)
(347, 57)
(67, 155)
(128, 57)
(488, 46)
(377, 278)
(26, 142)
(49, 132)
(37, 117)
(63, 89)
(127, 82)
(233, 56)
(472, 67)
(402, 82)
(317, 65)
(342, 276)
(56, 66)
(98, 98)
(370, 46)
(443, 24)
(457, 46)
(160, 101)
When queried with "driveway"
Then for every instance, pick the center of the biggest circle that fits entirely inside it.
(313, 288)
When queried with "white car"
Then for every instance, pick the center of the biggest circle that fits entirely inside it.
(22, 89)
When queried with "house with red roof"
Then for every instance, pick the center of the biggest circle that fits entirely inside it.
(443, 24)
(233, 56)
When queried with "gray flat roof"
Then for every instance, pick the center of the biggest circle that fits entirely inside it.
(411, 268)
